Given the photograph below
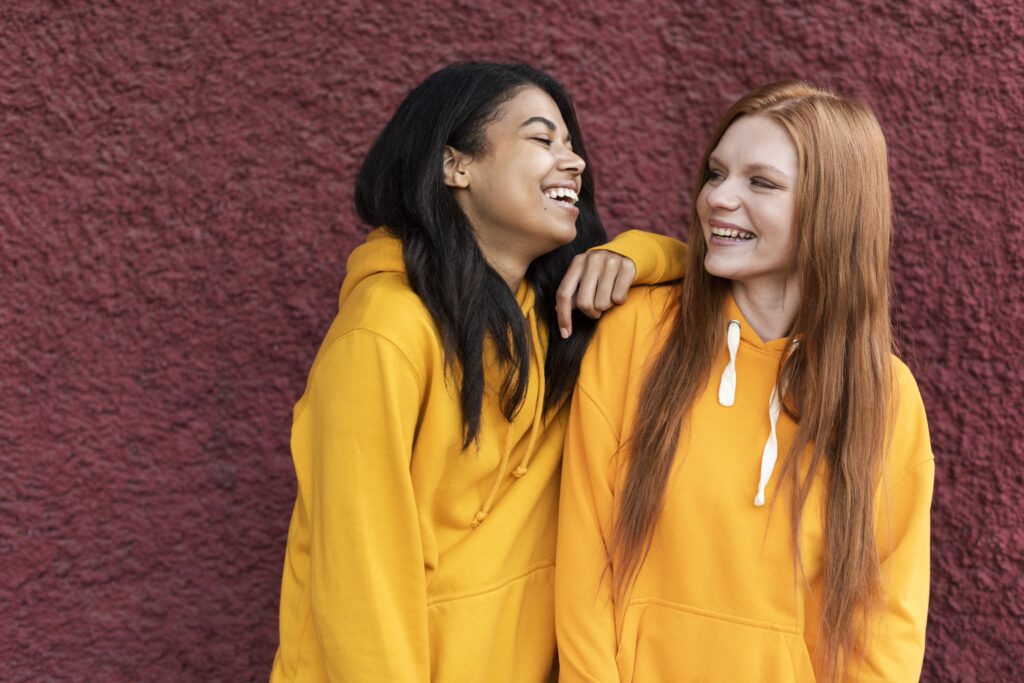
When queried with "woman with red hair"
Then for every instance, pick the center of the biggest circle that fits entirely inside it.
(748, 472)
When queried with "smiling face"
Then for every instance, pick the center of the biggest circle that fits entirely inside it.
(520, 194)
(747, 204)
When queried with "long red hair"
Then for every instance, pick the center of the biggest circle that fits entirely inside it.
(836, 385)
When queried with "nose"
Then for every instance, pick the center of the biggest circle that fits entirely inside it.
(571, 162)
(721, 195)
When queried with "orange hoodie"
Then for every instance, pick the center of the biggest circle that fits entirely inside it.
(718, 597)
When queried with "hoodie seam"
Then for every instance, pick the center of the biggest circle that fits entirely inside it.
(711, 614)
(497, 586)
(600, 410)
(771, 353)
(412, 368)
(316, 364)
(897, 481)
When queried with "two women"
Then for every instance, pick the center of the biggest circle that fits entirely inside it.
(748, 472)
(428, 442)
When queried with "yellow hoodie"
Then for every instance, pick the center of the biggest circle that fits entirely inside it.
(718, 597)
(408, 559)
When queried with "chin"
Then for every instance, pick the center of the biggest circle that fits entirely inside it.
(570, 234)
(553, 240)
(563, 235)
(715, 267)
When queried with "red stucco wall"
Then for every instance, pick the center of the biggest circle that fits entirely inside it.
(175, 190)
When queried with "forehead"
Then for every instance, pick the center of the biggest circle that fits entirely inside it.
(757, 139)
(529, 102)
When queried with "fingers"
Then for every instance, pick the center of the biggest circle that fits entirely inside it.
(627, 273)
(606, 285)
(594, 282)
(587, 291)
(565, 297)
(614, 279)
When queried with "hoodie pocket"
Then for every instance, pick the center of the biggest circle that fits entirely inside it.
(664, 641)
(499, 634)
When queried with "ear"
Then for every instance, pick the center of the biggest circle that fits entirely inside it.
(456, 168)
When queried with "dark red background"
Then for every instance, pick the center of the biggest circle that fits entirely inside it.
(175, 190)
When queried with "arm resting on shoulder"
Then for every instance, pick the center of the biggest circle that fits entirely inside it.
(600, 278)
(658, 258)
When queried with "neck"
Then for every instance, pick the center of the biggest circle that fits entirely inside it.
(499, 253)
(504, 260)
(511, 269)
(770, 308)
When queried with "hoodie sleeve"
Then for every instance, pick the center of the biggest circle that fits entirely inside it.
(895, 647)
(584, 618)
(367, 582)
(657, 258)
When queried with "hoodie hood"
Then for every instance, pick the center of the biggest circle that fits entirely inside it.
(380, 253)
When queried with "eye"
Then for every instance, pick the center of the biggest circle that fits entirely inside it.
(713, 176)
(761, 182)
(544, 141)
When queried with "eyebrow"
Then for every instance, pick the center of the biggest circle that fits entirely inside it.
(547, 123)
(759, 166)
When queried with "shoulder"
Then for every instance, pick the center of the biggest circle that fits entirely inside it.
(628, 337)
(645, 310)
(906, 394)
(384, 309)
(384, 303)
(909, 440)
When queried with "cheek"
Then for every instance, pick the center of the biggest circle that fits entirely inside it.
(784, 224)
(777, 217)
(702, 204)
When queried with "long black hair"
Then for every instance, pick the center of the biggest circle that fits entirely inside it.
(401, 186)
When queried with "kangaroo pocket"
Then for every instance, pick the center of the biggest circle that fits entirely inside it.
(664, 641)
(500, 633)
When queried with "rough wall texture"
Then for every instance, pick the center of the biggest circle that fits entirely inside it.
(175, 190)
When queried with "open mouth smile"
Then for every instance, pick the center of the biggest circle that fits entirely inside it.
(563, 194)
(732, 234)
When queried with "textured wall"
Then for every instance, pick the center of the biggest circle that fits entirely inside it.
(175, 190)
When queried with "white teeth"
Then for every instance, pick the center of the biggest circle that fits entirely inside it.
(731, 233)
(559, 192)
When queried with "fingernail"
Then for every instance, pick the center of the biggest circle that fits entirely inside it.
(564, 331)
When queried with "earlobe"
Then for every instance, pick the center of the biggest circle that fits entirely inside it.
(456, 172)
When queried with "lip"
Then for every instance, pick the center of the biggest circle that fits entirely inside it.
(565, 205)
(715, 240)
(715, 223)
(568, 184)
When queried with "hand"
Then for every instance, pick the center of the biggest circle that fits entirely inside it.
(595, 281)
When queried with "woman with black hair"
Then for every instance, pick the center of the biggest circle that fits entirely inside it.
(428, 442)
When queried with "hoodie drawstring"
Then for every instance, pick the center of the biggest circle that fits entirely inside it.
(538, 423)
(727, 397)
(727, 387)
(481, 514)
(770, 454)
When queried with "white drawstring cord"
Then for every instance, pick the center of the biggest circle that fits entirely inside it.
(727, 387)
(771, 448)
